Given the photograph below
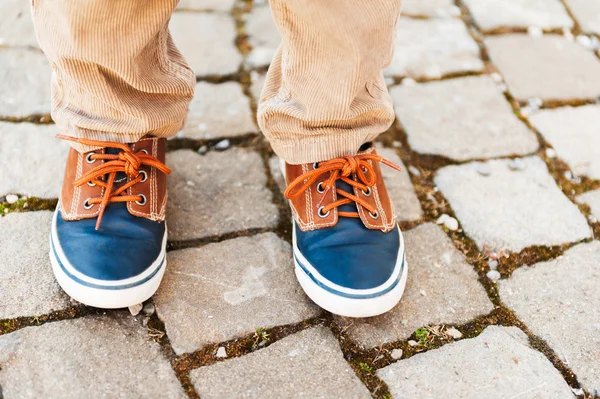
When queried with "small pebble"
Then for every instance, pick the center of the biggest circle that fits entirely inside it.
(221, 352)
(535, 31)
(516, 164)
(222, 145)
(525, 111)
(585, 41)
(190, 183)
(423, 293)
(396, 354)
(493, 264)
(404, 322)
(414, 171)
(496, 77)
(454, 333)
(577, 391)
(397, 144)
(484, 169)
(148, 309)
(503, 87)
(448, 221)
(493, 275)
(408, 82)
(550, 153)
(413, 343)
(12, 198)
(389, 81)
(203, 150)
(135, 309)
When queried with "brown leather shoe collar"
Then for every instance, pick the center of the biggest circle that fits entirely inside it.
(307, 206)
(153, 188)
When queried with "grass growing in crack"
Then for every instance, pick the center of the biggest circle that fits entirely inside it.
(261, 338)
(27, 205)
(365, 367)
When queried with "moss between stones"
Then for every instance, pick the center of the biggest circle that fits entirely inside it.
(27, 205)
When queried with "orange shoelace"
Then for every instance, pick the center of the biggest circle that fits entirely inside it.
(126, 161)
(343, 168)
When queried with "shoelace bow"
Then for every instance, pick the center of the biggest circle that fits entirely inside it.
(125, 161)
(343, 169)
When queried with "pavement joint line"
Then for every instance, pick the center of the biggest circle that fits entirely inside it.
(200, 242)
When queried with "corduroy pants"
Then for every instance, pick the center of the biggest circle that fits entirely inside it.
(117, 75)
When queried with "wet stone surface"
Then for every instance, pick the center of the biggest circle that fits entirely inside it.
(95, 356)
(511, 209)
(229, 289)
(442, 288)
(564, 313)
(467, 118)
(308, 364)
(498, 363)
(217, 193)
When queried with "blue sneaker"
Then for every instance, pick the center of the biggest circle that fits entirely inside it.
(348, 248)
(108, 239)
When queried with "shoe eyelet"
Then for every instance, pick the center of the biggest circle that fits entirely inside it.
(368, 192)
(91, 184)
(144, 174)
(315, 165)
(320, 188)
(144, 151)
(88, 158)
(321, 214)
(87, 205)
(375, 215)
(143, 201)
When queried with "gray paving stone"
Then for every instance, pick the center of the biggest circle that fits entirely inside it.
(207, 40)
(27, 285)
(206, 5)
(217, 193)
(229, 289)
(429, 8)
(559, 301)
(547, 67)
(442, 288)
(433, 48)
(16, 25)
(400, 188)
(218, 110)
(40, 158)
(24, 83)
(308, 364)
(545, 14)
(91, 357)
(591, 199)
(258, 81)
(573, 132)
(587, 13)
(499, 363)
(263, 37)
(461, 119)
(511, 209)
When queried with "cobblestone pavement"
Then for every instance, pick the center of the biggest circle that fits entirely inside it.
(497, 129)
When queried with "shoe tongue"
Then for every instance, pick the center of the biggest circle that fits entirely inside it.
(121, 177)
(351, 207)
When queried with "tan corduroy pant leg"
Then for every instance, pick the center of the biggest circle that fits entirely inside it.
(116, 72)
(325, 93)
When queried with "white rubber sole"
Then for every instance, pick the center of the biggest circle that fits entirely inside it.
(113, 296)
(347, 306)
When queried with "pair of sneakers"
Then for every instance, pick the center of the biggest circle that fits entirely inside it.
(109, 236)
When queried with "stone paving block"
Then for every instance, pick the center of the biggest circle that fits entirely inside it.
(218, 110)
(591, 199)
(400, 188)
(229, 289)
(461, 119)
(433, 48)
(429, 8)
(206, 5)
(258, 81)
(16, 25)
(24, 83)
(548, 67)
(544, 14)
(442, 288)
(263, 37)
(27, 285)
(40, 158)
(217, 193)
(587, 13)
(90, 357)
(207, 41)
(559, 301)
(501, 208)
(499, 363)
(308, 364)
(573, 132)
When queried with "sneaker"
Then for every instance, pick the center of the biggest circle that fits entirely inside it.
(108, 238)
(348, 249)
